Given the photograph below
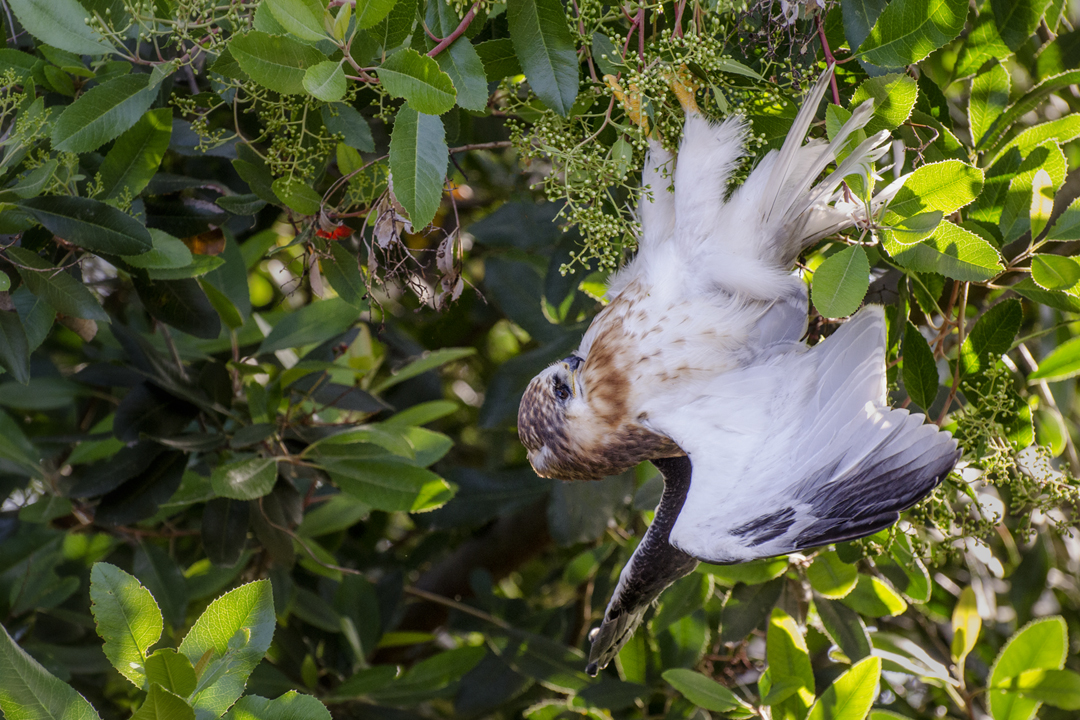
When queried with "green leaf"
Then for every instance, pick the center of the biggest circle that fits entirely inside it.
(290, 706)
(200, 265)
(788, 665)
(102, 113)
(371, 12)
(344, 120)
(755, 572)
(1061, 364)
(920, 370)
(245, 479)
(29, 692)
(161, 575)
(982, 44)
(1061, 130)
(136, 155)
(14, 348)
(386, 484)
(1040, 645)
(1042, 201)
(299, 196)
(429, 361)
(500, 60)
(167, 252)
(991, 337)
(344, 276)
(1060, 688)
(160, 704)
(62, 292)
(325, 81)
(235, 632)
(247, 204)
(944, 186)
(1058, 300)
(418, 160)
(60, 23)
(417, 78)
(909, 30)
(32, 183)
(840, 282)
(830, 576)
(303, 18)
(546, 50)
(1017, 19)
(951, 251)
(989, 96)
(1048, 159)
(702, 691)
(16, 447)
(127, 618)
(275, 61)
(310, 325)
(873, 598)
(966, 625)
(90, 224)
(894, 98)
(850, 695)
(180, 303)
(845, 627)
(1055, 272)
(461, 62)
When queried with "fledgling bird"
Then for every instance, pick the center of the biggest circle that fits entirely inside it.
(767, 446)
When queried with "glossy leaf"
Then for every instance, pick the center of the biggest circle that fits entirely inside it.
(127, 617)
(1017, 19)
(966, 625)
(1042, 201)
(418, 160)
(160, 704)
(14, 348)
(136, 155)
(951, 251)
(909, 30)
(991, 337)
(989, 97)
(894, 98)
(102, 113)
(546, 51)
(1060, 688)
(419, 80)
(1040, 645)
(1061, 364)
(371, 12)
(90, 224)
(274, 61)
(421, 365)
(850, 696)
(29, 692)
(845, 627)
(62, 292)
(840, 282)
(1067, 226)
(245, 479)
(344, 120)
(701, 690)
(388, 485)
(920, 369)
(787, 656)
(830, 576)
(462, 64)
(302, 18)
(310, 325)
(325, 81)
(236, 629)
(290, 706)
(1055, 272)
(60, 23)
(872, 597)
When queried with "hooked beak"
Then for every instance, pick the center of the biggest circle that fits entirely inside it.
(572, 365)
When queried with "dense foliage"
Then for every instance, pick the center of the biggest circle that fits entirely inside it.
(234, 351)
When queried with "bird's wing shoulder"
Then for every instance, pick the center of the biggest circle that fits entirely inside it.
(801, 451)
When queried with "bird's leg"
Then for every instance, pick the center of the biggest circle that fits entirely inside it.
(654, 566)
(631, 102)
(683, 85)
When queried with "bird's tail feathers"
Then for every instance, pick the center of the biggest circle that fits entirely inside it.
(708, 154)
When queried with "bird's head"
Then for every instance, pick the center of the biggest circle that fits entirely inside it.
(552, 403)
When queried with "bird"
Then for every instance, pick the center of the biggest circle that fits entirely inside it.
(699, 364)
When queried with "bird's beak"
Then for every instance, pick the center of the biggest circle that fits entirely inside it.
(572, 365)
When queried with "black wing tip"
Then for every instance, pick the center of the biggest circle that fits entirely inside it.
(592, 670)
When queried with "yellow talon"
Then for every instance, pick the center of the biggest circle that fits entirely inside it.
(683, 85)
(631, 103)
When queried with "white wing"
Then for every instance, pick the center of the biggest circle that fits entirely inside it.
(801, 450)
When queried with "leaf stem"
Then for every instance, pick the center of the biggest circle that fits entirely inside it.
(458, 31)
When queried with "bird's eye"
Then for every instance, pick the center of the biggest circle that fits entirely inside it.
(562, 392)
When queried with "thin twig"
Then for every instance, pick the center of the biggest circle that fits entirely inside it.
(458, 31)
